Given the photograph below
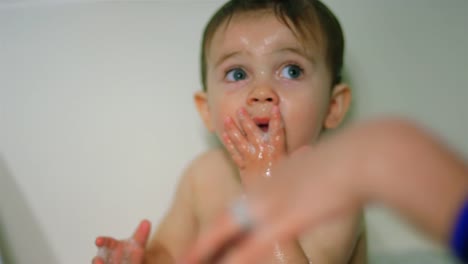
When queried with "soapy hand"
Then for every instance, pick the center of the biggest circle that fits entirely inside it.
(256, 145)
(126, 251)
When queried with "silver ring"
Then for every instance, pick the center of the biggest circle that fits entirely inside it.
(241, 215)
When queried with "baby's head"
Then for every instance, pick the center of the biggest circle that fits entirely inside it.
(260, 53)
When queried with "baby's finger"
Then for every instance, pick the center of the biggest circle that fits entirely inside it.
(117, 256)
(142, 233)
(235, 155)
(243, 147)
(276, 130)
(98, 260)
(108, 242)
(252, 132)
(100, 241)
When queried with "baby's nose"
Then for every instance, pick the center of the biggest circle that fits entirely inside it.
(262, 95)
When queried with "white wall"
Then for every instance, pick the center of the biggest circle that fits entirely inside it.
(97, 120)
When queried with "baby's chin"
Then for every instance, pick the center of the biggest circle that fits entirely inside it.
(293, 144)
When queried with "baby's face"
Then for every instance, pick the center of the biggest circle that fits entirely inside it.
(256, 63)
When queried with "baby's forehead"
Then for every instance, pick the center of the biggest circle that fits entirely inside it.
(261, 30)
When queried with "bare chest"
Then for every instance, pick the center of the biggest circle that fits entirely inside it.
(214, 198)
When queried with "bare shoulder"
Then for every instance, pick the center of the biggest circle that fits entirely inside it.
(206, 169)
(216, 159)
(212, 166)
(201, 169)
(215, 184)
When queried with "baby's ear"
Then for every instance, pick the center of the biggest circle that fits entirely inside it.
(339, 105)
(201, 102)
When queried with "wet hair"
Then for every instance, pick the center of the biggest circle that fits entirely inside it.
(311, 21)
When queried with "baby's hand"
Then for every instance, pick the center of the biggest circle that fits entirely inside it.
(128, 251)
(255, 151)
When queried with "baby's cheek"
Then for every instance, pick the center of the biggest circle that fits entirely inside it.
(220, 117)
(301, 131)
(220, 125)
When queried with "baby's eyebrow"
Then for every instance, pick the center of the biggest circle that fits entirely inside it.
(294, 50)
(226, 56)
(297, 51)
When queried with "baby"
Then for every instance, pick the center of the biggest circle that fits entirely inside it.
(271, 75)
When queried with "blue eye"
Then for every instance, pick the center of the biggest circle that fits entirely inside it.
(292, 71)
(236, 75)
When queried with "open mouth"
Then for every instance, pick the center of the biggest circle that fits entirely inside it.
(262, 123)
(263, 127)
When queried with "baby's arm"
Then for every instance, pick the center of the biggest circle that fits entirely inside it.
(179, 227)
(176, 231)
